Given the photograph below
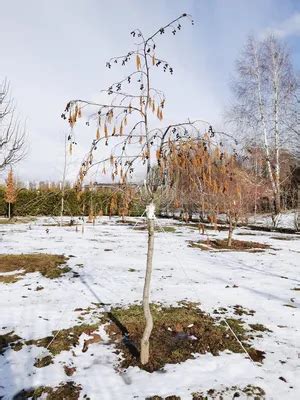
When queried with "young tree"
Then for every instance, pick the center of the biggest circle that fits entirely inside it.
(12, 136)
(125, 122)
(63, 183)
(231, 190)
(10, 192)
(264, 90)
(211, 180)
(126, 196)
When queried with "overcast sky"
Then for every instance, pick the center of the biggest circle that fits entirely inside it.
(53, 51)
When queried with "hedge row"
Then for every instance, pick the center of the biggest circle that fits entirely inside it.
(48, 202)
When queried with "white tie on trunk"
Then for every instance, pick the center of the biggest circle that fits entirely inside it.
(150, 211)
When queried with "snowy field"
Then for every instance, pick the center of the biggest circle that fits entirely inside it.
(108, 264)
(285, 220)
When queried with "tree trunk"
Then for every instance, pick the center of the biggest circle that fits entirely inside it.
(9, 216)
(230, 231)
(277, 203)
(276, 104)
(146, 292)
(61, 210)
(63, 184)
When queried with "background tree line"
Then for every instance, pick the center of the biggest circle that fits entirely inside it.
(104, 201)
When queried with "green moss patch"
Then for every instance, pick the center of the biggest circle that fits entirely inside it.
(17, 265)
(178, 333)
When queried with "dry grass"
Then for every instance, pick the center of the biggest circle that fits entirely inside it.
(65, 339)
(17, 265)
(259, 328)
(237, 245)
(9, 278)
(65, 391)
(233, 392)
(178, 333)
(171, 397)
(167, 229)
(240, 310)
(16, 220)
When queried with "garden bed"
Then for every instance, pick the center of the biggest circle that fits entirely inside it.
(222, 244)
(179, 333)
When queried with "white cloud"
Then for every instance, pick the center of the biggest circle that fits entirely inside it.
(289, 27)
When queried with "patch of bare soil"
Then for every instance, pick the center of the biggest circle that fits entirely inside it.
(43, 362)
(236, 245)
(240, 310)
(156, 397)
(65, 391)
(250, 392)
(259, 328)
(14, 266)
(178, 333)
(65, 339)
(10, 340)
(170, 229)
(203, 226)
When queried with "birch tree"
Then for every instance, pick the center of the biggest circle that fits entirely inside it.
(130, 123)
(264, 90)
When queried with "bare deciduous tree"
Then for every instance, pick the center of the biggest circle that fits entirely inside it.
(211, 180)
(12, 135)
(264, 90)
(125, 122)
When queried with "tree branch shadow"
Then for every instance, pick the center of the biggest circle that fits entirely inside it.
(130, 345)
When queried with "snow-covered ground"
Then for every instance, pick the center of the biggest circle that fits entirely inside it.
(110, 260)
(286, 219)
